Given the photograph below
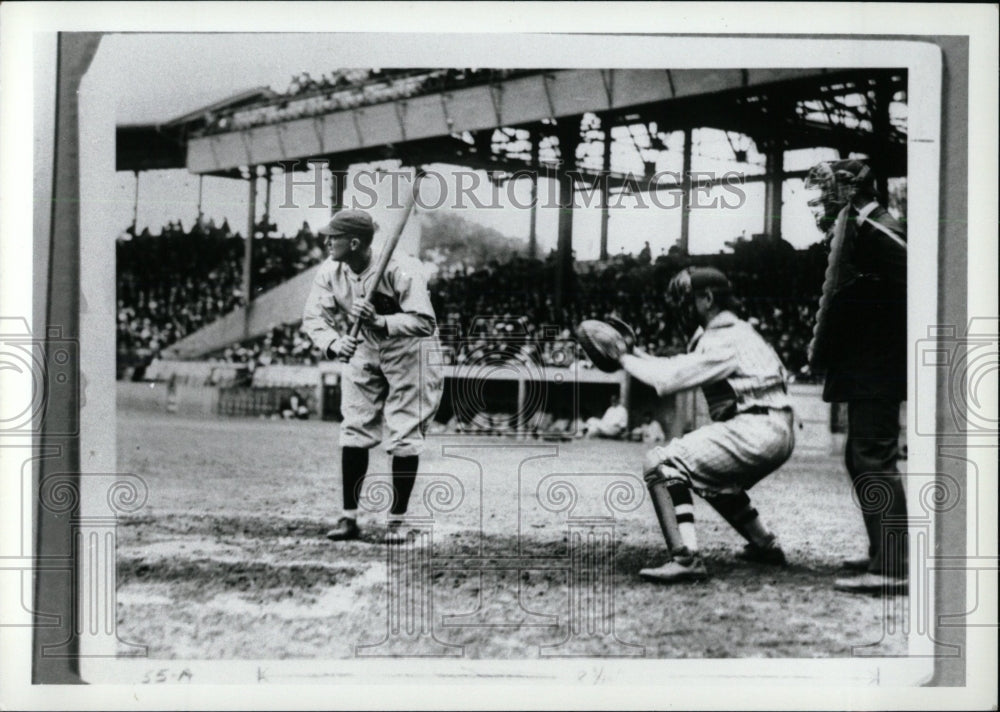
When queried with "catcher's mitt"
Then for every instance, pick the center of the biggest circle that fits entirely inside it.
(627, 332)
(603, 343)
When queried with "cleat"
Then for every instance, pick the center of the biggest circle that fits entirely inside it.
(344, 530)
(860, 565)
(395, 533)
(676, 572)
(872, 584)
(771, 554)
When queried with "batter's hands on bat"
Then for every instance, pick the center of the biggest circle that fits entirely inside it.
(344, 347)
(363, 311)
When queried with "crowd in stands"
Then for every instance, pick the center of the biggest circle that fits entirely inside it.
(174, 283)
(351, 88)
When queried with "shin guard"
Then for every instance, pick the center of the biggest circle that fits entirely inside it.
(663, 504)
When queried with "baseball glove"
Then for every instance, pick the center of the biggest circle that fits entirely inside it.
(627, 332)
(603, 344)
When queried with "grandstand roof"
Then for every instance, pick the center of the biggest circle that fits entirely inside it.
(149, 147)
(146, 147)
(246, 98)
(801, 108)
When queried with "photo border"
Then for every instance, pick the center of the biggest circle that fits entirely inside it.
(950, 305)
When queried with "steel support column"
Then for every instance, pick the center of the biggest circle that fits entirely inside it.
(569, 139)
(686, 194)
(201, 190)
(267, 201)
(605, 187)
(338, 184)
(135, 205)
(535, 139)
(248, 248)
(772, 190)
(881, 126)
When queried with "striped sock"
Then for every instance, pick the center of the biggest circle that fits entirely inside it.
(680, 493)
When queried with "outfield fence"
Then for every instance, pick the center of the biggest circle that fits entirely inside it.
(517, 394)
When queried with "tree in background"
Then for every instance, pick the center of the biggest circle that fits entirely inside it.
(453, 243)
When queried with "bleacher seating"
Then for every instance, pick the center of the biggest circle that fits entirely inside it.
(349, 89)
(164, 292)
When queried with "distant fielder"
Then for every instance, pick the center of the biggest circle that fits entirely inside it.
(745, 385)
(384, 379)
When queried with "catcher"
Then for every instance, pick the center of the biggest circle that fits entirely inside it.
(751, 434)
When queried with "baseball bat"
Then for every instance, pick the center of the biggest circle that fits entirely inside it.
(390, 246)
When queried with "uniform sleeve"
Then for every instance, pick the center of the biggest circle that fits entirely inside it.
(679, 373)
(317, 316)
(416, 316)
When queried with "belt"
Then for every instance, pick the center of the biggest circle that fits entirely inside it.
(762, 410)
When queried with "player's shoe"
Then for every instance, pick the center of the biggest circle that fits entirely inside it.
(395, 533)
(345, 529)
(675, 571)
(872, 584)
(860, 565)
(770, 554)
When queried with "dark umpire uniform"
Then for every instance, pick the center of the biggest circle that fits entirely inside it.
(860, 340)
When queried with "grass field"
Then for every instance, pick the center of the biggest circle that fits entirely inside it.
(228, 560)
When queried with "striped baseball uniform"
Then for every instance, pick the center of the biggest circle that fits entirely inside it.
(395, 376)
(745, 385)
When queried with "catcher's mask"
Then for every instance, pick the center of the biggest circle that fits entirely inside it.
(834, 185)
(691, 281)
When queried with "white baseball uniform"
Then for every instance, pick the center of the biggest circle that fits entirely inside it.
(745, 385)
(396, 375)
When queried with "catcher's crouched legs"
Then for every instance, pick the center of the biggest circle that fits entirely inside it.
(736, 509)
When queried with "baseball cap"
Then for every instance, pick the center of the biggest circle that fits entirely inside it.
(708, 278)
(350, 222)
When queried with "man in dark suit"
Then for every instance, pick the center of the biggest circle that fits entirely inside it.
(860, 341)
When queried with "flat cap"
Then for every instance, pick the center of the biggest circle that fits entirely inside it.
(350, 222)
(708, 278)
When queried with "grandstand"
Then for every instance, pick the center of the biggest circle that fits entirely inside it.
(239, 302)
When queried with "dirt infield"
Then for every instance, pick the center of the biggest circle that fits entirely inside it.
(227, 558)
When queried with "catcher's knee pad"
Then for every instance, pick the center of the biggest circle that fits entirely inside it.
(655, 469)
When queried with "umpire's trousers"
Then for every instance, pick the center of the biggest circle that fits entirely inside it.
(871, 454)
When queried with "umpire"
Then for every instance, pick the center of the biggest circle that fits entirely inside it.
(860, 341)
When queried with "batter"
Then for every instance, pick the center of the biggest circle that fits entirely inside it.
(385, 380)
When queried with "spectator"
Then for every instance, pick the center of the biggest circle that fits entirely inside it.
(649, 431)
(174, 283)
(293, 406)
(612, 425)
